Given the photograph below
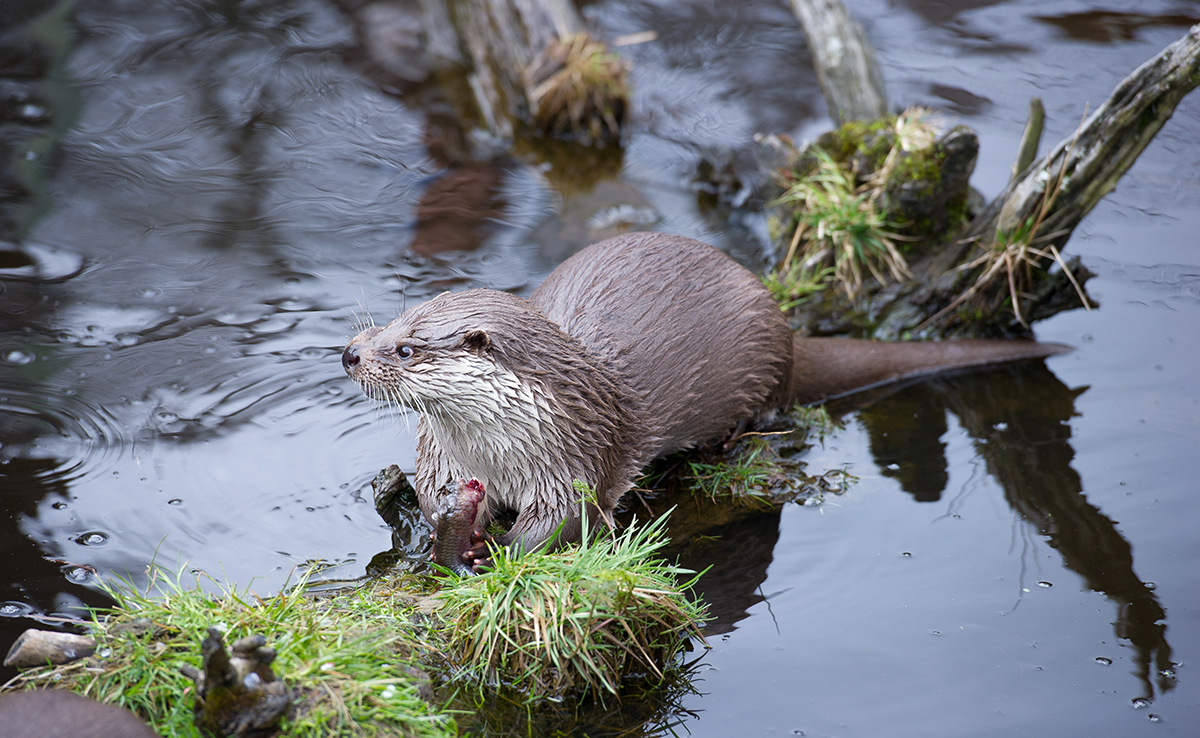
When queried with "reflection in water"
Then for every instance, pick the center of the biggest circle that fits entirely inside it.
(736, 554)
(40, 105)
(1106, 26)
(905, 430)
(1019, 420)
(37, 587)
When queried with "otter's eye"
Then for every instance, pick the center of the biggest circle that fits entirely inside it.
(404, 351)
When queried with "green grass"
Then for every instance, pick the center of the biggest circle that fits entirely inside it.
(585, 620)
(793, 284)
(580, 618)
(832, 213)
(746, 476)
(760, 469)
(344, 656)
(813, 420)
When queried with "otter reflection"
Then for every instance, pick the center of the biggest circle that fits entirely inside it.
(1018, 417)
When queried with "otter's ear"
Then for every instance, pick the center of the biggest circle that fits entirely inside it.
(477, 341)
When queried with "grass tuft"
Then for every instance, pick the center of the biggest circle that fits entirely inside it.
(746, 477)
(580, 618)
(1021, 258)
(833, 215)
(577, 87)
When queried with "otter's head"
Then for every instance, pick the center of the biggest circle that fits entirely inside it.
(444, 358)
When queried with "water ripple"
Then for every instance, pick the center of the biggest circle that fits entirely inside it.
(78, 437)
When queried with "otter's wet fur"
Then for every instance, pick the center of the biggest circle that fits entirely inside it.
(633, 348)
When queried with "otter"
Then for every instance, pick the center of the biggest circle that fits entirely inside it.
(633, 348)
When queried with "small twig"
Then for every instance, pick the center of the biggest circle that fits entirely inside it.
(1030, 139)
(1066, 270)
(800, 228)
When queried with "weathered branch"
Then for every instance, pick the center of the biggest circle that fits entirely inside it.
(1102, 149)
(844, 60)
(1079, 171)
(40, 647)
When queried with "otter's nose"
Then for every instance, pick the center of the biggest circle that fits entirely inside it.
(350, 358)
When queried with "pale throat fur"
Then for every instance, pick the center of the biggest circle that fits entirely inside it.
(478, 418)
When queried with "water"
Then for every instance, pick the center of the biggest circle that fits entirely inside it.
(234, 190)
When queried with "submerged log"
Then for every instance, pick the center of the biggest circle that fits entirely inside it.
(844, 60)
(1007, 270)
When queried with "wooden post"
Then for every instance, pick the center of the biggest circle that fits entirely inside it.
(844, 59)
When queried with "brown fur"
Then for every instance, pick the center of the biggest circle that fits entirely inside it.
(644, 344)
(56, 713)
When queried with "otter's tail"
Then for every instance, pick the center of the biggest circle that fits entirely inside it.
(825, 368)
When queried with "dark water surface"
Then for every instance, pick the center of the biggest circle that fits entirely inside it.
(218, 190)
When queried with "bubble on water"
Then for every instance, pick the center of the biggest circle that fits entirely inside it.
(175, 502)
(1103, 661)
(92, 538)
(937, 632)
(77, 574)
(17, 357)
(14, 609)
(1154, 718)
(1140, 703)
(907, 554)
(1047, 585)
(60, 506)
